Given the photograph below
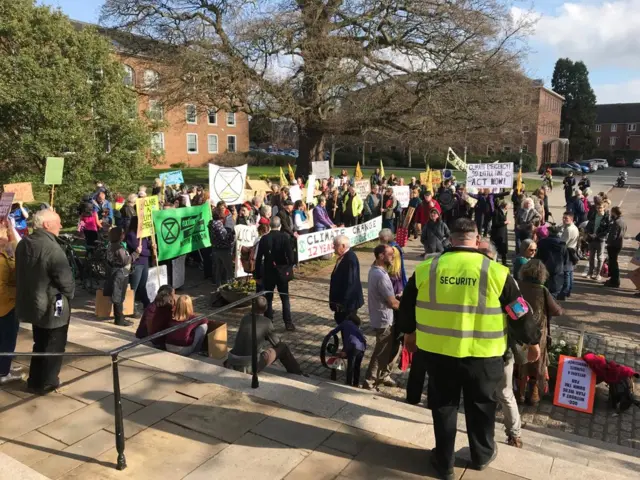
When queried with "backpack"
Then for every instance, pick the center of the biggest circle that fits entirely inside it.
(247, 259)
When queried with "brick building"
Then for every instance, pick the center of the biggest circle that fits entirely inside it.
(617, 126)
(194, 134)
(548, 109)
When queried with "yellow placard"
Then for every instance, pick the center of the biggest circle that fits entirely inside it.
(145, 207)
(436, 177)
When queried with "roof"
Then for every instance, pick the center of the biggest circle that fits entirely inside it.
(550, 92)
(618, 113)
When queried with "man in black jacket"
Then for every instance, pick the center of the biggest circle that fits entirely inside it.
(345, 289)
(286, 221)
(45, 287)
(615, 239)
(275, 259)
(552, 251)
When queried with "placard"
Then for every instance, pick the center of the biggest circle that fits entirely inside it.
(311, 188)
(152, 281)
(23, 191)
(318, 244)
(363, 188)
(490, 175)
(5, 204)
(227, 184)
(436, 177)
(178, 271)
(402, 194)
(172, 178)
(575, 385)
(182, 230)
(145, 207)
(53, 171)
(246, 236)
(321, 169)
(257, 186)
(295, 192)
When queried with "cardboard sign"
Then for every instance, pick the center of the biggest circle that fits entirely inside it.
(575, 385)
(145, 207)
(259, 187)
(178, 271)
(54, 170)
(23, 191)
(402, 194)
(295, 192)
(246, 236)
(311, 188)
(182, 230)
(318, 244)
(172, 178)
(436, 178)
(363, 188)
(5, 204)
(154, 277)
(227, 184)
(490, 175)
(321, 169)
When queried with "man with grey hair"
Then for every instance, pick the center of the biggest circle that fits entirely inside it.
(274, 266)
(487, 247)
(345, 289)
(45, 287)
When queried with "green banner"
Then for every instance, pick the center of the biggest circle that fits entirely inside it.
(182, 230)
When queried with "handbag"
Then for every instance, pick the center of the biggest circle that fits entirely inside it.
(284, 273)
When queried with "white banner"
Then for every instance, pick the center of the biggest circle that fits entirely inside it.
(490, 175)
(321, 169)
(363, 188)
(152, 281)
(178, 271)
(402, 194)
(317, 244)
(311, 188)
(227, 184)
(295, 192)
(246, 236)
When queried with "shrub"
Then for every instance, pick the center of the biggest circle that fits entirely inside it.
(179, 165)
(232, 159)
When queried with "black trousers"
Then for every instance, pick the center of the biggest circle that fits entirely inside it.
(44, 371)
(614, 268)
(270, 282)
(354, 361)
(478, 379)
(417, 374)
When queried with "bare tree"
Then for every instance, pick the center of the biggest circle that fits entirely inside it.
(303, 59)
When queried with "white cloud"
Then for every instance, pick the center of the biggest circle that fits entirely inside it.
(623, 92)
(602, 35)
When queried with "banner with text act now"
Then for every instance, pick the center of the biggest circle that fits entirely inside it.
(182, 230)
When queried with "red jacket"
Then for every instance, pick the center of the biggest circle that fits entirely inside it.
(184, 336)
(422, 214)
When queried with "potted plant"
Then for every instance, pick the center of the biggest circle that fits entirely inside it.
(561, 347)
(237, 290)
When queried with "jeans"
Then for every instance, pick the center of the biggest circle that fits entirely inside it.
(44, 371)
(270, 284)
(9, 326)
(222, 266)
(118, 313)
(199, 334)
(389, 223)
(596, 249)
(478, 379)
(354, 360)
(507, 399)
(614, 268)
(568, 283)
(384, 356)
(138, 282)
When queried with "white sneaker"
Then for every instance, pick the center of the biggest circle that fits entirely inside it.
(11, 377)
(598, 278)
(17, 369)
(585, 274)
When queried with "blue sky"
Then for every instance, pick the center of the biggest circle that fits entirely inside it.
(603, 35)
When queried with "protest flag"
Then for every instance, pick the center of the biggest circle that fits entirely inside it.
(291, 173)
(381, 169)
(358, 173)
(283, 179)
(519, 184)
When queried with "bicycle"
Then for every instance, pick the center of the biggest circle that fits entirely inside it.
(78, 266)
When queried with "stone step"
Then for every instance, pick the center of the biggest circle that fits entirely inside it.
(11, 469)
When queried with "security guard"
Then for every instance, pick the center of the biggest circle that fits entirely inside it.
(455, 311)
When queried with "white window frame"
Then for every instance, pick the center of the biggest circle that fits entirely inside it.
(186, 114)
(524, 148)
(209, 144)
(612, 141)
(127, 69)
(215, 112)
(598, 141)
(159, 106)
(614, 127)
(631, 127)
(235, 143)
(506, 149)
(197, 148)
(525, 128)
(490, 150)
(234, 119)
(598, 128)
(628, 141)
(161, 141)
(156, 79)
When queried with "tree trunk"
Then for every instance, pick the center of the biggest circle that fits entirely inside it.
(364, 151)
(333, 154)
(409, 158)
(311, 150)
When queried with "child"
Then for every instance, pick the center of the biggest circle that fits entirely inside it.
(119, 262)
(88, 224)
(355, 344)
(189, 339)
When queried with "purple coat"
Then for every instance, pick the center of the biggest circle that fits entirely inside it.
(321, 220)
(132, 243)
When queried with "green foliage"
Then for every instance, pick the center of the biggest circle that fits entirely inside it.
(571, 80)
(62, 94)
(179, 165)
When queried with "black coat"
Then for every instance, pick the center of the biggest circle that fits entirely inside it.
(286, 221)
(552, 251)
(345, 289)
(435, 236)
(499, 234)
(274, 247)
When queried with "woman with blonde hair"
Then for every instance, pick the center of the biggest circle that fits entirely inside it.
(187, 340)
(532, 278)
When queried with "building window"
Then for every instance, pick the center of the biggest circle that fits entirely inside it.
(192, 114)
(157, 142)
(490, 150)
(151, 79)
(631, 127)
(212, 116)
(192, 143)
(393, 148)
(360, 149)
(129, 76)
(506, 149)
(525, 129)
(132, 109)
(598, 128)
(598, 141)
(231, 143)
(156, 111)
(212, 143)
(231, 119)
(614, 127)
(628, 141)
(612, 141)
(524, 148)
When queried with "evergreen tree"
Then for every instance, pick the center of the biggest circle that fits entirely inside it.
(571, 80)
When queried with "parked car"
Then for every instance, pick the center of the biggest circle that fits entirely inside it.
(578, 167)
(601, 162)
(571, 166)
(590, 164)
(636, 163)
(620, 162)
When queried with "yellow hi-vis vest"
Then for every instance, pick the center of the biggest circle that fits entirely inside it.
(458, 310)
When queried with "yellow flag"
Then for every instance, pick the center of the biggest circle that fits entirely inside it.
(381, 169)
(429, 180)
(358, 173)
(519, 182)
(291, 173)
(283, 179)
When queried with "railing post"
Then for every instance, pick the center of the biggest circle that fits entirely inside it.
(122, 461)
(255, 383)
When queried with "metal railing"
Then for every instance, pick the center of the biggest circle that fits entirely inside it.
(119, 417)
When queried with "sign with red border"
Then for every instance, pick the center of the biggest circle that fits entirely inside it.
(575, 385)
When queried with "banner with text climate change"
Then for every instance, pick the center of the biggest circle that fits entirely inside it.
(317, 244)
